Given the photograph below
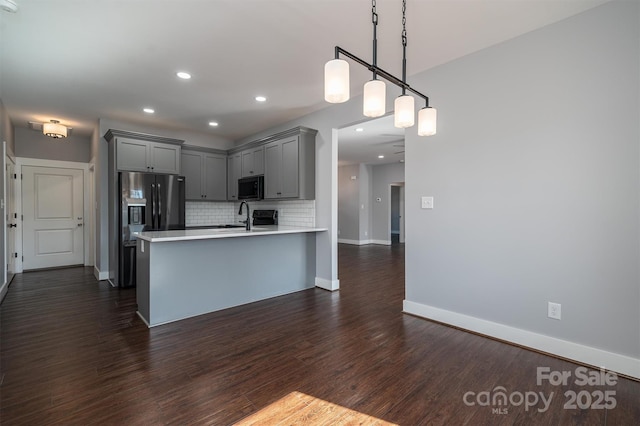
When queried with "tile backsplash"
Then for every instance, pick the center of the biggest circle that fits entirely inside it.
(290, 213)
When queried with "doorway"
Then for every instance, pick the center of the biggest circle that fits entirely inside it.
(397, 213)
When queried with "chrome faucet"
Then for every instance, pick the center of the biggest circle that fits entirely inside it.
(247, 222)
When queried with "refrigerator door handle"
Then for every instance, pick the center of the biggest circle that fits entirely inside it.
(159, 189)
(153, 206)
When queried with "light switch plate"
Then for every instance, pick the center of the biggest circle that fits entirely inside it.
(427, 202)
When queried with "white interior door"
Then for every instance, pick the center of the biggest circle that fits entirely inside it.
(53, 207)
(11, 217)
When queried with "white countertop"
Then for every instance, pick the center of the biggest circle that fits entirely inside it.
(205, 234)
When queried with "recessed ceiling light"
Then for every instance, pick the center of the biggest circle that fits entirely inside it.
(213, 123)
(261, 99)
(380, 156)
(359, 129)
(149, 110)
(183, 75)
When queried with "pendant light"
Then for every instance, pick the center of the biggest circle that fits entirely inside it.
(336, 89)
(427, 121)
(404, 111)
(336, 81)
(374, 99)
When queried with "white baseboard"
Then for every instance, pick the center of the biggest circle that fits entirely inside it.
(574, 351)
(3, 291)
(381, 242)
(331, 285)
(100, 275)
(143, 320)
(354, 242)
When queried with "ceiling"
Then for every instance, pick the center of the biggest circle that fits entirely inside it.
(365, 142)
(78, 61)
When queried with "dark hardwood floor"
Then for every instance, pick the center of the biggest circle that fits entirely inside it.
(74, 352)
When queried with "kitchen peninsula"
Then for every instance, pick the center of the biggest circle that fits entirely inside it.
(185, 273)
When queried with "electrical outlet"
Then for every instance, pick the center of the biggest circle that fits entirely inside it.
(554, 310)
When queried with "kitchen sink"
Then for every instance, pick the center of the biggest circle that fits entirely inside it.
(215, 227)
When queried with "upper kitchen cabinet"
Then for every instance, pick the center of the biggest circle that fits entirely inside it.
(253, 162)
(290, 162)
(234, 171)
(138, 152)
(206, 174)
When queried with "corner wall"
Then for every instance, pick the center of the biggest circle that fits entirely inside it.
(535, 174)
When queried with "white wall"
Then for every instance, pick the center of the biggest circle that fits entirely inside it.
(6, 135)
(365, 202)
(349, 203)
(101, 200)
(535, 174)
(33, 144)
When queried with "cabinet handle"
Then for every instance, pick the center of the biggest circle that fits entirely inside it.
(278, 193)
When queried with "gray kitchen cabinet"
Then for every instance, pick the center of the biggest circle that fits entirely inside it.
(215, 177)
(234, 171)
(145, 156)
(206, 175)
(289, 166)
(192, 171)
(253, 162)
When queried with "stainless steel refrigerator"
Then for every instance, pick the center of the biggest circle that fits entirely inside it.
(148, 202)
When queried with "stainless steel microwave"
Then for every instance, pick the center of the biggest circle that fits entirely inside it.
(251, 188)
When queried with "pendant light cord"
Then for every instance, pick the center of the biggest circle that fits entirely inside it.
(374, 21)
(404, 45)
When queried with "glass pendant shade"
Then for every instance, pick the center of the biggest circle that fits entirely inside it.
(374, 101)
(427, 119)
(336, 81)
(404, 112)
(54, 130)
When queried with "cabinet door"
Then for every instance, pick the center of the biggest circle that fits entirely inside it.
(258, 160)
(247, 163)
(165, 158)
(192, 171)
(234, 165)
(290, 168)
(253, 162)
(131, 155)
(272, 170)
(215, 177)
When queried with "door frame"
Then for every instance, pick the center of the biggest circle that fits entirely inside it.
(9, 187)
(87, 193)
(401, 208)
